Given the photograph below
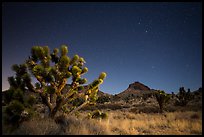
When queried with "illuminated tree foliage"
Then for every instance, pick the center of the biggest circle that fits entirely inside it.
(162, 98)
(53, 71)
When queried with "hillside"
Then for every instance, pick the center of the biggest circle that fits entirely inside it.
(135, 89)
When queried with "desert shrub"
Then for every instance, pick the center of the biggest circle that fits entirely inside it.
(97, 114)
(104, 115)
(38, 126)
(13, 112)
(17, 111)
(103, 99)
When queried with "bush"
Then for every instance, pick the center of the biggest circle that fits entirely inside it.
(103, 99)
(13, 112)
(98, 115)
(31, 100)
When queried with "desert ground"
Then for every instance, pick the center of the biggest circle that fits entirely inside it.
(135, 117)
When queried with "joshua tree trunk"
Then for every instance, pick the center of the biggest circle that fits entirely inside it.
(59, 102)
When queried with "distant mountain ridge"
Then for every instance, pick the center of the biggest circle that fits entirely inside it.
(135, 89)
(138, 86)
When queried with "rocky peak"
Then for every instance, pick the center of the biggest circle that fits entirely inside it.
(138, 86)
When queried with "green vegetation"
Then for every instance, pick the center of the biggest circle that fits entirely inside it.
(97, 114)
(103, 99)
(162, 98)
(18, 104)
(52, 72)
(183, 97)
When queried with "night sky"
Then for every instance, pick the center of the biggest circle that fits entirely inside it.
(157, 44)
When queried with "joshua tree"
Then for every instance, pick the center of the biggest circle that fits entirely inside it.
(52, 72)
(18, 104)
(183, 97)
(161, 98)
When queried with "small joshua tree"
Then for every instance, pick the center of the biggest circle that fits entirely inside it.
(183, 97)
(18, 103)
(161, 98)
(52, 71)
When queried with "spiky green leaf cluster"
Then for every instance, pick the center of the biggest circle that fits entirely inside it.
(102, 76)
(64, 50)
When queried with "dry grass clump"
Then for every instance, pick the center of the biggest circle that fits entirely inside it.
(61, 126)
(186, 122)
(84, 127)
(38, 126)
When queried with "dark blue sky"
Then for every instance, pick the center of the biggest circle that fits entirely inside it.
(157, 44)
